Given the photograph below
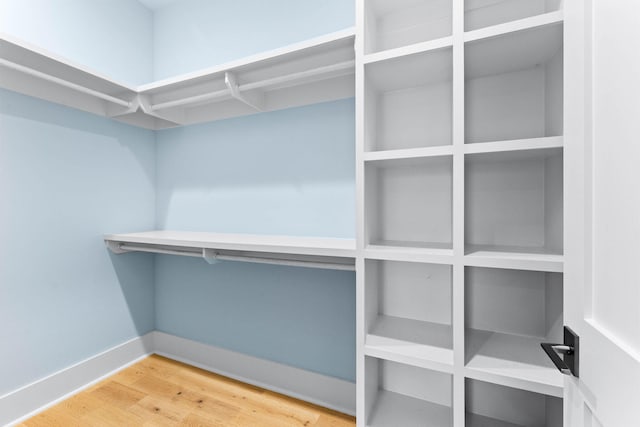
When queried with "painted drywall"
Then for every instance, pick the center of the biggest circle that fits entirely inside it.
(288, 172)
(66, 178)
(296, 316)
(113, 37)
(193, 34)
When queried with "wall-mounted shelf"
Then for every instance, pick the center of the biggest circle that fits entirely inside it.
(309, 72)
(312, 252)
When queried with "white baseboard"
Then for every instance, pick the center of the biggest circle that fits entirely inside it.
(323, 390)
(26, 401)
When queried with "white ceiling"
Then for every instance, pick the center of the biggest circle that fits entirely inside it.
(156, 4)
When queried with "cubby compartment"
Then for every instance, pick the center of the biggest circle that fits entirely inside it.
(508, 313)
(408, 311)
(484, 13)
(395, 23)
(514, 86)
(403, 395)
(409, 101)
(409, 202)
(492, 405)
(514, 202)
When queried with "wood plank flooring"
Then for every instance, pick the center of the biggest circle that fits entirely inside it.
(161, 392)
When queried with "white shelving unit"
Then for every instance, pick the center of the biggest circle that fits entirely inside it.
(508, 313)
(309, 72)
(409, 313)
(403, 395)
(393, 24)
(409, 202)
(314, 252)
(410, 100)
(513, 85)
(485, 13)
(491, 405)
(460, 170)
(514, 202)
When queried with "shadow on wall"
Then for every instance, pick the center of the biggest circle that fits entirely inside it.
(284, 172)
(66, 179)
(135, 275)
(69, 119)
(297, 316)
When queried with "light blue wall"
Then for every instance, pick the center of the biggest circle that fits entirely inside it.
(296, 316)
(67, 177)
(114, 37)
(195, 34)
(287, 172)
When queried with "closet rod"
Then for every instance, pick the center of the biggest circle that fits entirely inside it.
(186, 252)
(199, 253)
(65, 83)
(224, 93)
(286, 262)
(348, 65)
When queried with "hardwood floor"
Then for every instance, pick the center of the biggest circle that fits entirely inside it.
(161, 392)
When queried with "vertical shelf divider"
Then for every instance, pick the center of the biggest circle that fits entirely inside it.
(458, 306)
(362, 405)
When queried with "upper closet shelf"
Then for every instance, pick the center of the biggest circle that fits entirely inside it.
(317, 70)
(312, 252)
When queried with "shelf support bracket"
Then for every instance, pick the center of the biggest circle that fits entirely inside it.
(255, 102)
(210, 256)
(115, 247)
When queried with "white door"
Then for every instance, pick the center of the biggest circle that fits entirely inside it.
(602, 193)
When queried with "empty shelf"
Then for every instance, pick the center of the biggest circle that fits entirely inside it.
(394, 409)
(511, 360)
(414, 342)
(392, 250)
(513, 257)
(317, 70)
(288, 250)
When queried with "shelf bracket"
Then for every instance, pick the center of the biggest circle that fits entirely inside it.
(117, 111)
(254, 101)
(115, 247)
(210, 256)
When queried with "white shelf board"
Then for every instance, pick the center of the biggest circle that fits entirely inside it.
(517, 258)
(394, 409)
(408, 50)
(413, 342)
(410, 71)
(510, 52)
(511, 360)
(315, 246)
(475, 420)
(386, 156)
(33, 71)
(515, 26)
(317, 70)
(391, 250)
(514, 145)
